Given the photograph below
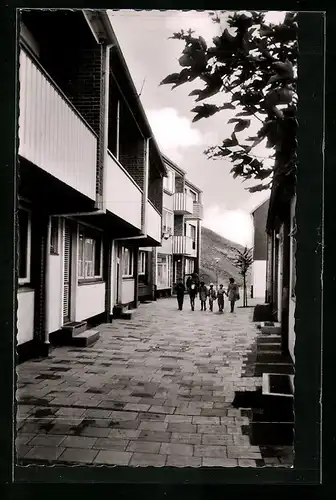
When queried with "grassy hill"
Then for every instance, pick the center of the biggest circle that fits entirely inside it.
(213, 246)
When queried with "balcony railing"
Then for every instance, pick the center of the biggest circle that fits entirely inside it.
(52, 134)
(153, 223)
(183, 245)
(121, 194)
(183, 204)
(197, 212)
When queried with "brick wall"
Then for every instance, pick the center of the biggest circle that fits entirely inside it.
(179, 268)
(178, 225)
(155, 192)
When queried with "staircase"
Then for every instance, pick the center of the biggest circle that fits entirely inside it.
(122, 312)
(76, 334)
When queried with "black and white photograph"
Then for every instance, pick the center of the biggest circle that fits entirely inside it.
(156, 235)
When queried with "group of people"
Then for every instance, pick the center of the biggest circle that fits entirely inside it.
(194, 288)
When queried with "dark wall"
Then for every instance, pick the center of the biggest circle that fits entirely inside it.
(260, 237)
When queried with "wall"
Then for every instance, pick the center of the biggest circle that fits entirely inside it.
(178, 225)
(168, 201)
(127, 291)
(122, 195)
(259, 279)
(166, 245)
(90, 300)
(54, 293)
(260, 236)
(25, 316)
(179, 183)
(153, 223)
(193, 251)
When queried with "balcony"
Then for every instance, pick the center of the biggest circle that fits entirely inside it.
(52, 134)
(183, 245)
(153, 223)
(183, 204)
(197, 212)
(122, 196)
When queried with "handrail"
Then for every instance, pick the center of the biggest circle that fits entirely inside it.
(39, 66)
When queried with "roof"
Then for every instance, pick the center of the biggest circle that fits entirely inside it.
(173, 165)
(260, 204)
(101, 26)
(193, 186)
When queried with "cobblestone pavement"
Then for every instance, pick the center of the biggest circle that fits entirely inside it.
(153, 391)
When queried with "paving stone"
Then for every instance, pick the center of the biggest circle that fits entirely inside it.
(143, 447)
(156, 417)
(210, 451)
(96, 413)
(188, 411)
(219, 462)
(123, 434)
(185, 438)
(251, 452)
(162, 409)
(24, 439)
(181, 461)
(182, 428)
(156, 436)
(147, 459)
(47, 440)
(185, 419)
(137, 407)
(206, 420)
(215, 439)
(110, 444)
(176, 449)
(153, 426)
(220, 430)
(78, 455)
(79, 442)
(246, 463)
(50, 453)
(113, 457)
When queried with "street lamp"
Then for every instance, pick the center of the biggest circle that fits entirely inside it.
(217, 259)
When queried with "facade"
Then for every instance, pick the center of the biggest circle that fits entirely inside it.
(281, 267)
(178, 256)
(90, 177)
(259, 265)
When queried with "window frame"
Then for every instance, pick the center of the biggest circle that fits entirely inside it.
(129, 252)
(142, 263)
(95, 236)
(27, 278)
(52, 250)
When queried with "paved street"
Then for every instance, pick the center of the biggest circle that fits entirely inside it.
(155, 390)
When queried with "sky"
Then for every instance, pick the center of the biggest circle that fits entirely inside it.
(150, 55)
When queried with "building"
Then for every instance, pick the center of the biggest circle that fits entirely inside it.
(281, 268)
(91, 177)
(178, 256)
(259, 215)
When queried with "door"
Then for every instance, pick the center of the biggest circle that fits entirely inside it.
(67, 273)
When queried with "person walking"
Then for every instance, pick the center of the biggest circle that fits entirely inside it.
(192, 290)
(233, 293)
(220, 298)
(212, 296)
(180, 289)
(203, 294)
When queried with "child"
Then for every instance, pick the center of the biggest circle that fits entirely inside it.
(220, 298)
(180, 289)
(203, 293)
(212, 296)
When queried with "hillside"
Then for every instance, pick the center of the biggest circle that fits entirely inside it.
(213, 246)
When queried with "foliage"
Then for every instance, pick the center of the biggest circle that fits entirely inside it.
(244, 261)
(251, 65)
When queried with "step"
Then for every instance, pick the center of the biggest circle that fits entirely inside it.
(272, 434)
(260, 368)
(85, 339)
(270, 327)
(75, 327)
(127, 314)
(278, 384)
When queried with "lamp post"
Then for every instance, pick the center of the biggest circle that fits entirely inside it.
(217, 259)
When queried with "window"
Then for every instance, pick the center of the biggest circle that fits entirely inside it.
(167, 221)
(168, 182)
(90, 255)
(127, 267)
(163, 271)
(193, 236)
(54, 236)
(24, 244)
(142, 262)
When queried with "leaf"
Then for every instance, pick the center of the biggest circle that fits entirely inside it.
(233, 120)
(258, 187)
(195, 92)
(228, 105)
(234, 139)
(204, 111)
(185, 60)
(172, 78)
(228, 143)
(203, 43)
(242, 125)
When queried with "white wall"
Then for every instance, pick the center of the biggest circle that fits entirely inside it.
(54, 293)
(122, 196)
(168, 201)
(153, 223)
(127, 291)
(192, 252)
(90, 300)
(25, 316)
(166, 246)
(259, 278)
